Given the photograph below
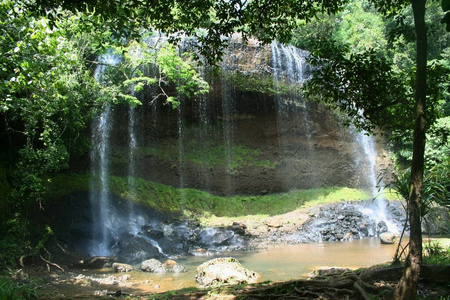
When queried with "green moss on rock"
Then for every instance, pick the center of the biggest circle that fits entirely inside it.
(201, 203)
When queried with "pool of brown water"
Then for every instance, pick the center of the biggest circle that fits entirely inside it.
(277, 263)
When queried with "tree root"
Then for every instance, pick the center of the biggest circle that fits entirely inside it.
(49, 263)
(361, 291)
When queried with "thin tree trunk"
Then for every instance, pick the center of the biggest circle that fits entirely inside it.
(407, 287)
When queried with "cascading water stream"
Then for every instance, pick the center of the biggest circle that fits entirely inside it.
(181, 154)
(132, 162)
(99, 195)
(228, 124)
(288, 64)
(378, 208)
(109, 224)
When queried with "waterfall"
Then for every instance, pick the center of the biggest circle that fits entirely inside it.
(228, 102)
(99, 191)
(289, 64)
(377, 210)
(132, 162)
(181, 157)
(237, 140)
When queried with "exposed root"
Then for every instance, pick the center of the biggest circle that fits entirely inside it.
(49, 263)
(361, 291)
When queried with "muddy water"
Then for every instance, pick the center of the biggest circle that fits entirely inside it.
(277, 263)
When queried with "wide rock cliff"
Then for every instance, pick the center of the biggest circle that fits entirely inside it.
(252, 134)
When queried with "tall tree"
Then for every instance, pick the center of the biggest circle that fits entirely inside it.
(407, 287)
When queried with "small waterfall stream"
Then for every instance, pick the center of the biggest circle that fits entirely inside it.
(228, 127)
(289, 64)
(378, 208)
(132, 159)
(99, 192)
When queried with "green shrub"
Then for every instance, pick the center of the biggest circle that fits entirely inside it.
(15, 290)
(435, 253)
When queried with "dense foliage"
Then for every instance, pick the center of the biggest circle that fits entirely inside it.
(49, 94)
(370, 79)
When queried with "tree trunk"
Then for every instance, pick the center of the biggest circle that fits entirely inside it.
(407, 287)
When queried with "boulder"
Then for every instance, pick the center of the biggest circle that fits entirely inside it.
(134, 249)
(153, 265)
(173, 267)
(436, 221)
(177, 269)
(387, 238)
(216, 236)
(224, 270)
(96, 262)
(119, 267)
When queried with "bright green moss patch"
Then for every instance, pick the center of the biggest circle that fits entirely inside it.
(331, 195)
(201, 203)
(390, 194)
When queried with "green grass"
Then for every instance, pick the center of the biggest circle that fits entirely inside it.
(15, 290)
(390, 195)
(201, 203)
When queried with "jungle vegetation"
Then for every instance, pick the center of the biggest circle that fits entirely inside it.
(386, 64)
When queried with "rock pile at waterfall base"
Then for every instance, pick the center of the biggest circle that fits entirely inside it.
(158, 236)
(341, 221)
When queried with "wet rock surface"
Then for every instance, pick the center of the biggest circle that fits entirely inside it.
(345, 221)
(156, 266)
(157, 236)
(387, 238)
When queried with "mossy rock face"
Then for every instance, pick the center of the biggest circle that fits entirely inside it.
(224, 270)
(194, 202)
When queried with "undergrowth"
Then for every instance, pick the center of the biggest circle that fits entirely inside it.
(15, 290)
(434, 253)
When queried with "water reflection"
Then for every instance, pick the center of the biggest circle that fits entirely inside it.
(280, 263)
